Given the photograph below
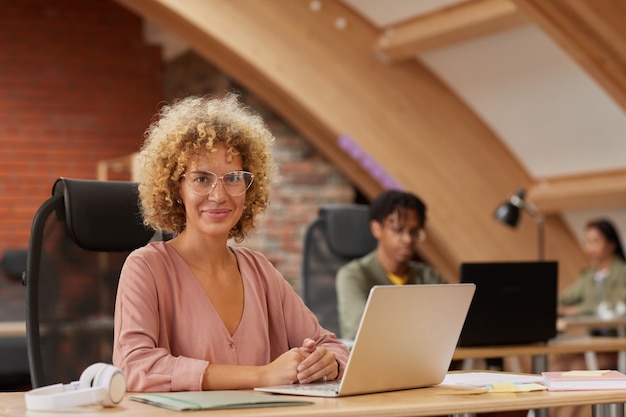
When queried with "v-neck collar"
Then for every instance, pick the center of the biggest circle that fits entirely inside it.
(199, 290)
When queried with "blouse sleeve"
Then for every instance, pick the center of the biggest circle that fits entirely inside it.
(291, 321)
(136, 352)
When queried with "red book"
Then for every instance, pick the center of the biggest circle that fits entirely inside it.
(584, 380)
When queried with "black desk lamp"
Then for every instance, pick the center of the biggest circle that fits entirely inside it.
(509, 213)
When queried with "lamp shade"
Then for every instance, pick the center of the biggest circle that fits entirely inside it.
(509, 211)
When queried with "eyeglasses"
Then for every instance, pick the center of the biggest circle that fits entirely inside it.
(415, 234)
(235, 183)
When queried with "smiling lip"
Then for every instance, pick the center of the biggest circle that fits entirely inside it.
(217, 213)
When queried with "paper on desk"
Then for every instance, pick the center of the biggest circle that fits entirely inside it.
(484, 379)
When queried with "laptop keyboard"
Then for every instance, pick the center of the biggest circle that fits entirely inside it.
(331, 386)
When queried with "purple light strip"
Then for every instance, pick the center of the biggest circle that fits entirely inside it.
(367, 162)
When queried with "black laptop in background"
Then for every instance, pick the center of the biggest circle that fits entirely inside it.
(514, 303)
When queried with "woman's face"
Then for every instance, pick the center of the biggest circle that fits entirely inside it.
(216, 213)
(597, 247)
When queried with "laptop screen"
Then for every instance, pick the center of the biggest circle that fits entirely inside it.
(514, 303)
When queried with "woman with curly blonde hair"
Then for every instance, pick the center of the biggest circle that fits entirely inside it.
(195, 313)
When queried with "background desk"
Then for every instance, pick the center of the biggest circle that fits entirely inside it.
(541, 351)
(432, 401)
(12, 328)
(584, 324)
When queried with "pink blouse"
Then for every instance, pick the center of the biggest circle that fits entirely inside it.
(167, 331)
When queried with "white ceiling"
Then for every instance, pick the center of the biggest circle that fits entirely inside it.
(550, 113)
(385, 13)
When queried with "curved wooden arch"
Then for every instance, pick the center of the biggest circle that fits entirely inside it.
(317, 69)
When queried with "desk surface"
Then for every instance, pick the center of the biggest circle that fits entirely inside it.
(553, 347)
(432, 401)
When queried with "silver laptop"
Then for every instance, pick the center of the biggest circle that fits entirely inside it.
(406, 339)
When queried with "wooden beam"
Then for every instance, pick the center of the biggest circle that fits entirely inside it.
(458, 23)
(580, 192)
(234, 63)
(323, 78)
(593, 32)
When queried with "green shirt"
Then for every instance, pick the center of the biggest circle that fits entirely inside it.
(583, 293)
(355, 280)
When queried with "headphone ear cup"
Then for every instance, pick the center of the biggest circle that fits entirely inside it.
(89, 375)
(113, 381)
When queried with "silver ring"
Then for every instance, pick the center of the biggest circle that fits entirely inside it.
(324, 378)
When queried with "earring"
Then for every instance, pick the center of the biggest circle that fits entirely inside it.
(179, 201)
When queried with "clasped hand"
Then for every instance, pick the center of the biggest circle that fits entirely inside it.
(304, 364)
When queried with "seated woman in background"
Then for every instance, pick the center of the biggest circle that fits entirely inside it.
(196, 313)
(601, 286)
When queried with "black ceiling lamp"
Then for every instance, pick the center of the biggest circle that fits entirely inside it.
(509, 214)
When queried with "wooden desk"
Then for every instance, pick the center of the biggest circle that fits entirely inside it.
(12, 328)
(541, 351)
(432, 401)
(583, 324)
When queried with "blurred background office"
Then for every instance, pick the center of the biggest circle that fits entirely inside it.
(362, 97)
(461, 102)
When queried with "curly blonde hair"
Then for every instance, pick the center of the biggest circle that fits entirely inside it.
(187, 127)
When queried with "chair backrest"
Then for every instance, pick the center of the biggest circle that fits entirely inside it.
(339, 234)
(80, 238)
(14, 263)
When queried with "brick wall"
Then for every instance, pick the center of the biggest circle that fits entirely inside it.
(307, 180)
(77, 85)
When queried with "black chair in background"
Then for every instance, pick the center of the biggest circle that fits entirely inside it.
(14, 371)
(339, 234)
(13, 264)
(79, 240)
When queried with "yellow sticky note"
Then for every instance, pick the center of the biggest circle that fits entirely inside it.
(503, 387)
(586, 373)
(512, 387)
(531, 387)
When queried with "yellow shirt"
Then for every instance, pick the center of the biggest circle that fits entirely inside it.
(397, 280)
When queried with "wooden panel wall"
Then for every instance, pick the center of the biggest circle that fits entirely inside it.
(317, 69)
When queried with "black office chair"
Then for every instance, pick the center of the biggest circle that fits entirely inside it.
(339, 234)
(79, 240)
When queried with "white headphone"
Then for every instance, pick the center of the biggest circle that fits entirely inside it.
(99, 383)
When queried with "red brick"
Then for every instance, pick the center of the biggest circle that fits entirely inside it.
(79, 85)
